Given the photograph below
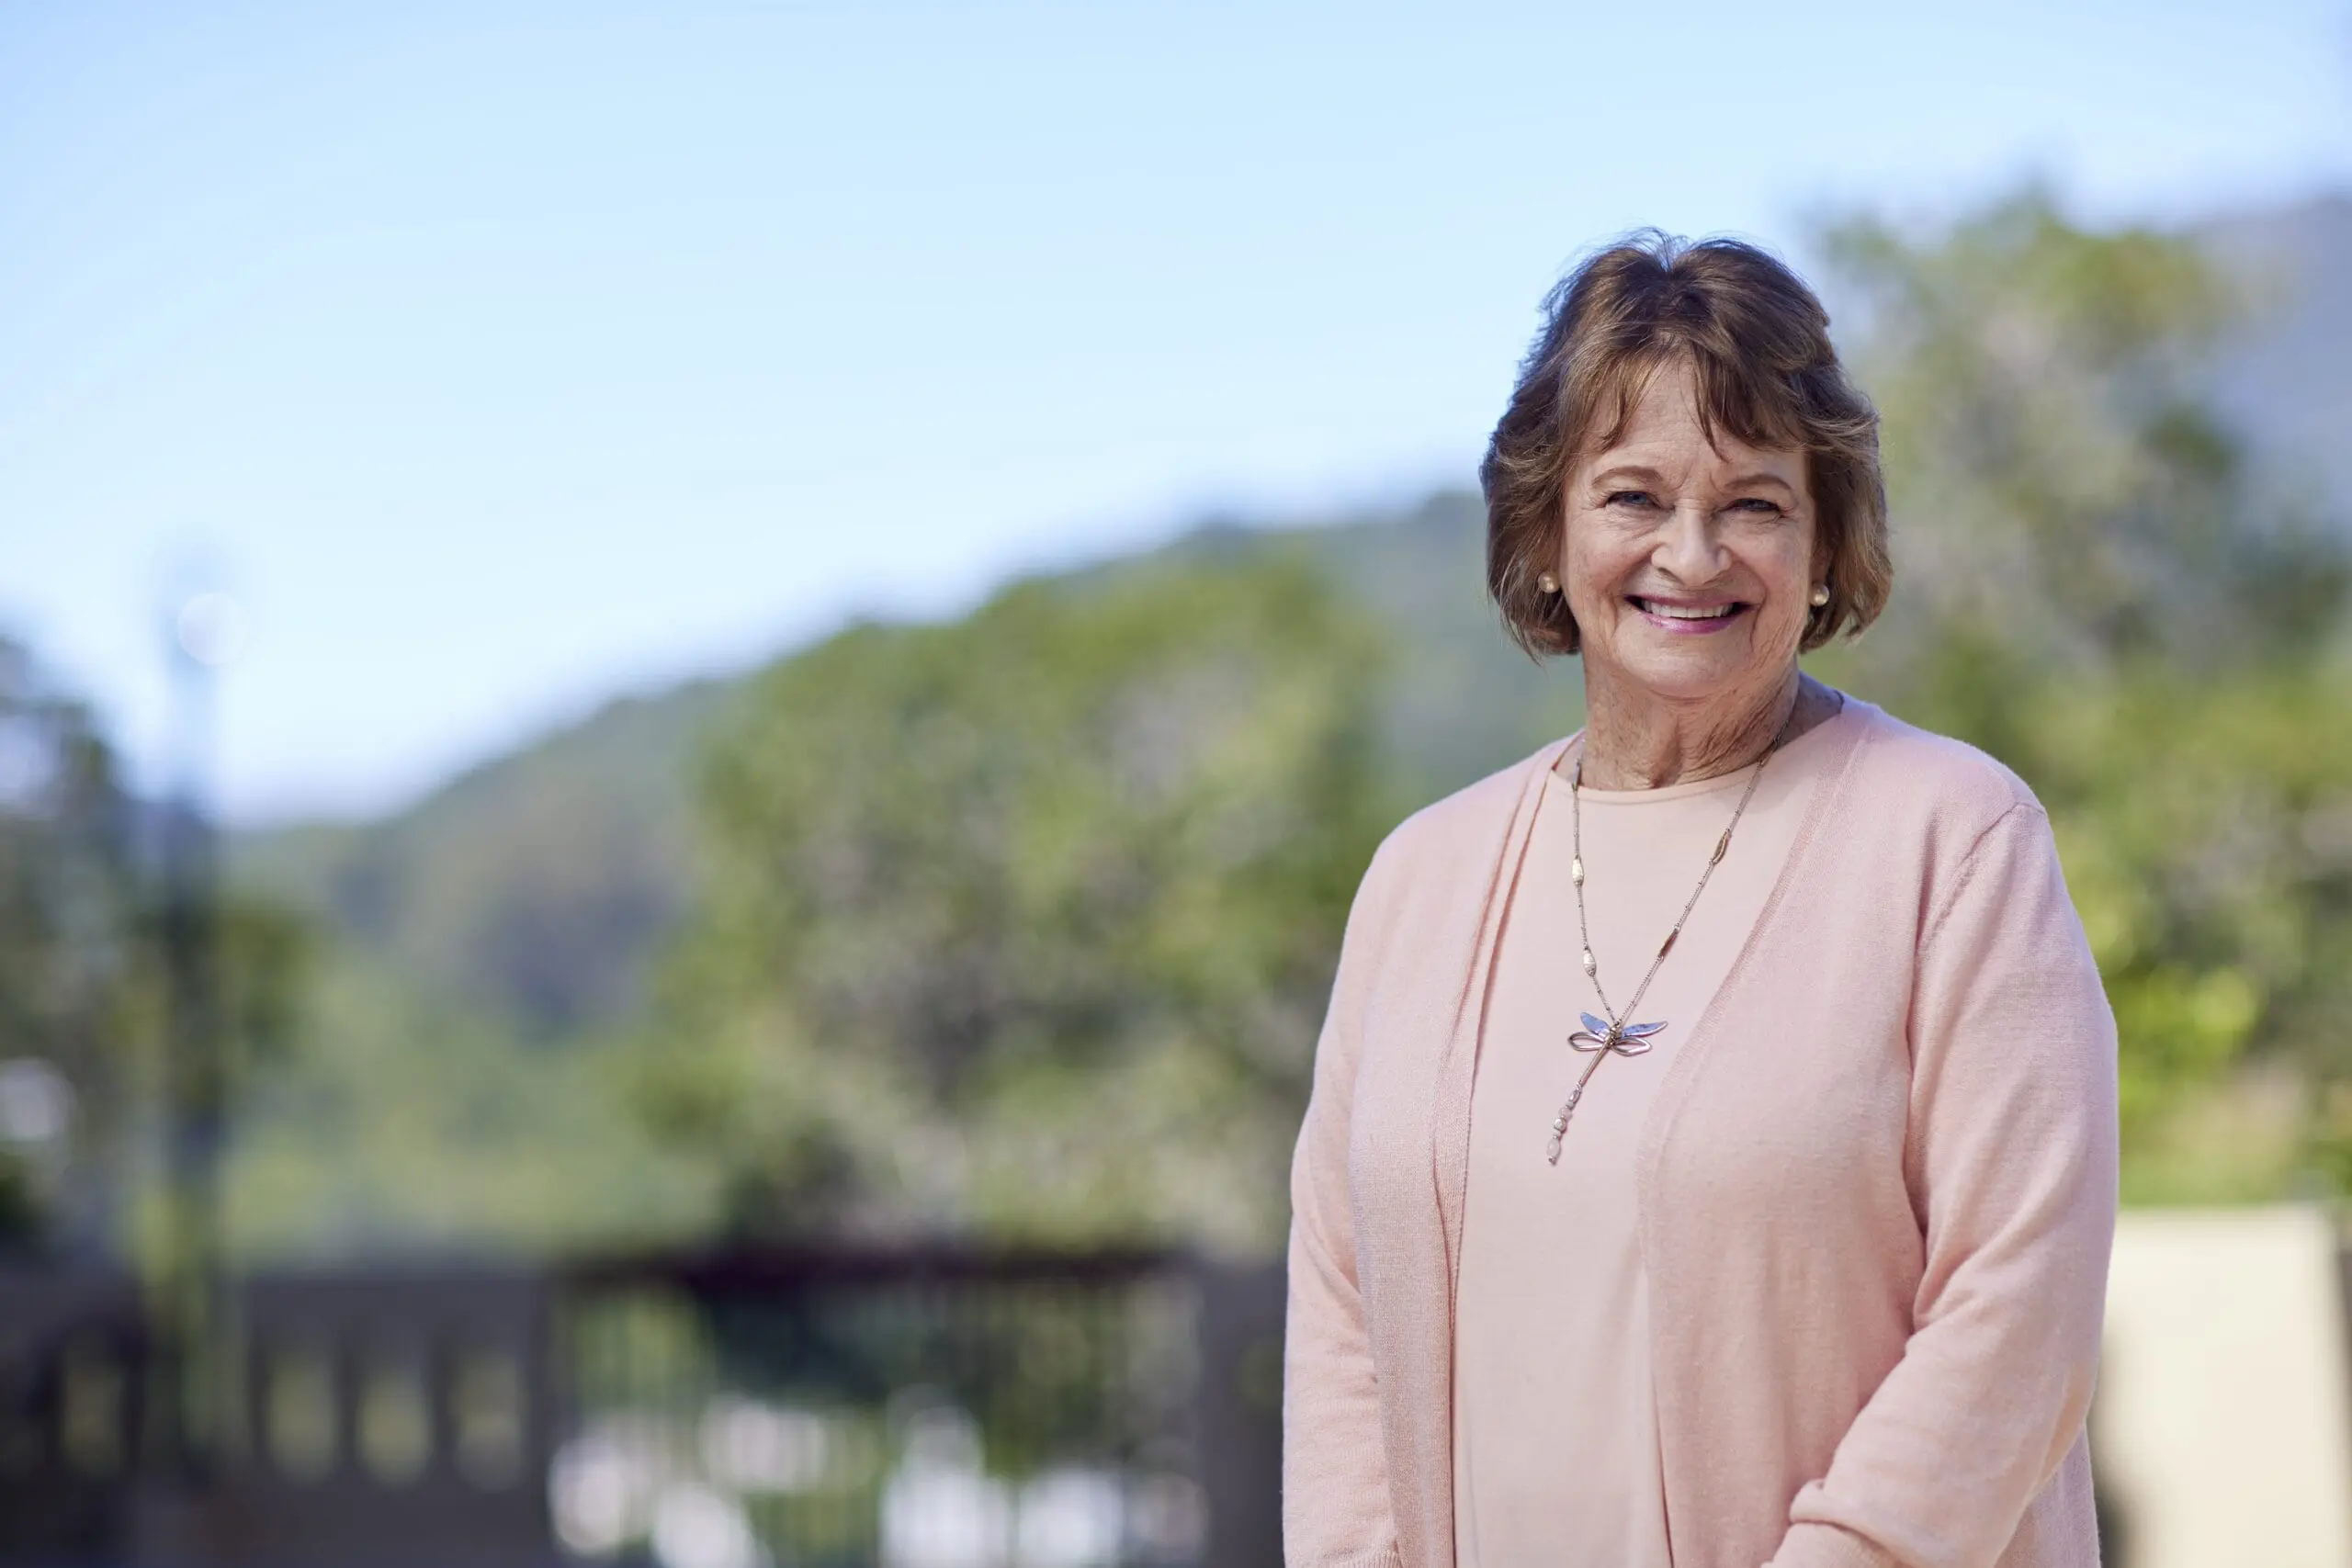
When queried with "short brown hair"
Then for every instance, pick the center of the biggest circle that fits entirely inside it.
(1757, 342)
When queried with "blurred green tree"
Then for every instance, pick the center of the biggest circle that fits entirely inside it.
(1024, 925)
(2065, 490)
(68, 955)
(2096, 586)
(81, 972)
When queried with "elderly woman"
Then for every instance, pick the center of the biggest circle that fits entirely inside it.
(1712, 1153)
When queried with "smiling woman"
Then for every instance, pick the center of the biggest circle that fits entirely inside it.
(1806, 1267)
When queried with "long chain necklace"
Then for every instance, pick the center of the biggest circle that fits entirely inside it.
(1600, 1038)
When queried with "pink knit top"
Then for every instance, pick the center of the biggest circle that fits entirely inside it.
(1555, 1454)
(1874, 1191)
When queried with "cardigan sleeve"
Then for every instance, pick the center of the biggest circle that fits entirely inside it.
(2012, 1165)
(1335, 1507)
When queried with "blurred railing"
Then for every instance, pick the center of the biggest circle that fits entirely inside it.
(918, 1408)
(73, 1360)
(924, 1409)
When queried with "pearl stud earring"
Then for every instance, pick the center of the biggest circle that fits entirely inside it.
(1821, 596)
(1547, 582)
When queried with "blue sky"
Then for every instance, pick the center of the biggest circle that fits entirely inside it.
(501, 357)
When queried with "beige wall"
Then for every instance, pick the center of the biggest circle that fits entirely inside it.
(2223, 1433)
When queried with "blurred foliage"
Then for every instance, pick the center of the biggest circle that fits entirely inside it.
(2094, 586)
(417, 1122)
(460, 1081)
(264, 955)
(2063, 485)
(69, 906)
(82, 975)
(530, 887)
(1025, 923)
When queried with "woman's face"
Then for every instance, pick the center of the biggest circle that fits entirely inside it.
(1689, 566)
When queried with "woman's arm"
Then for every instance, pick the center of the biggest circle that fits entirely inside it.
(1336, 1511)
(2012, 1163)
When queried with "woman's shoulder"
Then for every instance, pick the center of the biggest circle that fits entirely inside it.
(1452, 841)
(1918, 799)
(1899, 764)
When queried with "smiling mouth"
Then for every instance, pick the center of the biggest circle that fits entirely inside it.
(1693, 617)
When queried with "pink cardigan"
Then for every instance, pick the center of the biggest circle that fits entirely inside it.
(1877, 1189)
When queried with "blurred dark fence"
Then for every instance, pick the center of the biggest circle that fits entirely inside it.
(919, 1408)
(73, 1359)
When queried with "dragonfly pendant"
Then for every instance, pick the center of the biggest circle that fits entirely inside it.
(1597, 1038)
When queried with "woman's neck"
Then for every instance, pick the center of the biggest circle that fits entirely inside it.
(1633, 740)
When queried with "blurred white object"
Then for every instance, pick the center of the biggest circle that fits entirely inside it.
(1072, 1519)
(696, 1527)
(36, 1102)
(1167, 1517)
(2221, 1432)
(214, 630)
(750, 1447)
(603, 1483)
(940, 1509)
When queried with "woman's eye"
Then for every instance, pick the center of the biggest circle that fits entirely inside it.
(1757, 506)
(1629, 498)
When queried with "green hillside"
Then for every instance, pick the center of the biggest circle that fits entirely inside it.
(453, 1084)
(533, 884)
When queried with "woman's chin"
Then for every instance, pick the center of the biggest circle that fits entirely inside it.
(1687, 677)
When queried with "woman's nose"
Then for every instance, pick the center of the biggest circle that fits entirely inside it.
(1687, 550)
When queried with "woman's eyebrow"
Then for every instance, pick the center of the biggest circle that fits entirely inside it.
(1760, 477)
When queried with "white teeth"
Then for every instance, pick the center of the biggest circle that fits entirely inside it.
(1686, 613)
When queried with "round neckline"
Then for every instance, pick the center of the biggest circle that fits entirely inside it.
(1720, 782)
